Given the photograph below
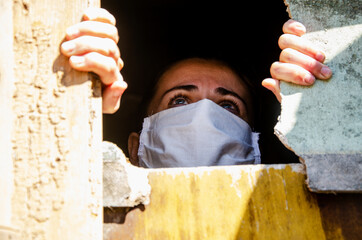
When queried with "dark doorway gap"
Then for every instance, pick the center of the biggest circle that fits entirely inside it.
(154, 33)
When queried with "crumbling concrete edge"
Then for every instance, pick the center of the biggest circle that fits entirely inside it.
(124, 185)
(340, 172)
(278, 129)
(139, 185)
(282, 137)
(288, 9)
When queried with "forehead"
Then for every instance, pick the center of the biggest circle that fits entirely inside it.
(204, 73)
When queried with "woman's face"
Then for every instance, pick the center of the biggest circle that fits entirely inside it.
(195, 79)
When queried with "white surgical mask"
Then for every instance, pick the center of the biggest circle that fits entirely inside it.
(198, 134)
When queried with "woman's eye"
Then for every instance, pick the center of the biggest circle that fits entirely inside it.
(178, 101)
(231, 107)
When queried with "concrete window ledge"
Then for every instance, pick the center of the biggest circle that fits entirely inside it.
(235, 202)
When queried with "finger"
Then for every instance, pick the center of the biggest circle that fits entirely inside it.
(100, 15)
(105, 67)
(86, 44)
(291, 73)
(112, 96)
(120, 63)
(318, 69)
(294, 27)
(301, 45)
(274, 86)
(92, 28)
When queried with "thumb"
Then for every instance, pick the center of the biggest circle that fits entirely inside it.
(112, 96)
(274, 86)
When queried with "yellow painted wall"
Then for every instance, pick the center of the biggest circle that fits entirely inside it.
(239, 202)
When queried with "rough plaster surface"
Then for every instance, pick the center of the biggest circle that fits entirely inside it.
(7, 233)
(326, 119)
(56, 133)
(123, 184)
(6, 87)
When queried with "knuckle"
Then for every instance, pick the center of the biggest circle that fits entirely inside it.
(286, 55)
(90, 59)
(84, 41)
(112, 19)
(107, 15)
(284, 41)
(103, 11)
(281, 41)
(304, 78)
(120, 63)
(275, 69)
(299, 77)
(109, 42)
(113, 69)
(312, 66)
(289, 51)
(106, 67)
(275, 66)
(287, 24)
(112, 48)
(114, 33)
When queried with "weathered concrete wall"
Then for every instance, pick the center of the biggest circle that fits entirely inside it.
(6, 88)
(232, 202)
(236, 202)
(50, 126)
(323, 123)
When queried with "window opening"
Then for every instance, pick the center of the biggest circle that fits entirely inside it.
(154, 34)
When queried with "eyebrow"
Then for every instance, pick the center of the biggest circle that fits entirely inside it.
(222, 91)
(182, 87)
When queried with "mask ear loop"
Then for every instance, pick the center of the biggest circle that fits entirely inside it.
(257, 155)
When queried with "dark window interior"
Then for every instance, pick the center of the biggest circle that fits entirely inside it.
(154, 33)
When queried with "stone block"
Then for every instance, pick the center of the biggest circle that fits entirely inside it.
(323, 123)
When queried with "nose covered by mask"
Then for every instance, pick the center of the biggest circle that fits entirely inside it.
(198, 134)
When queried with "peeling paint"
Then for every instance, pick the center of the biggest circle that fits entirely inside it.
(233, 202)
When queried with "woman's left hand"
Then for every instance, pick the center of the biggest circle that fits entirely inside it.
(299, 61)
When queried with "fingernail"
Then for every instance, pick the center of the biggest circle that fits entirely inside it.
(68, 47)
(72, 31)
(77, 60)
(309, 79)
(300, 28)
(326, 72)
(320, 56)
